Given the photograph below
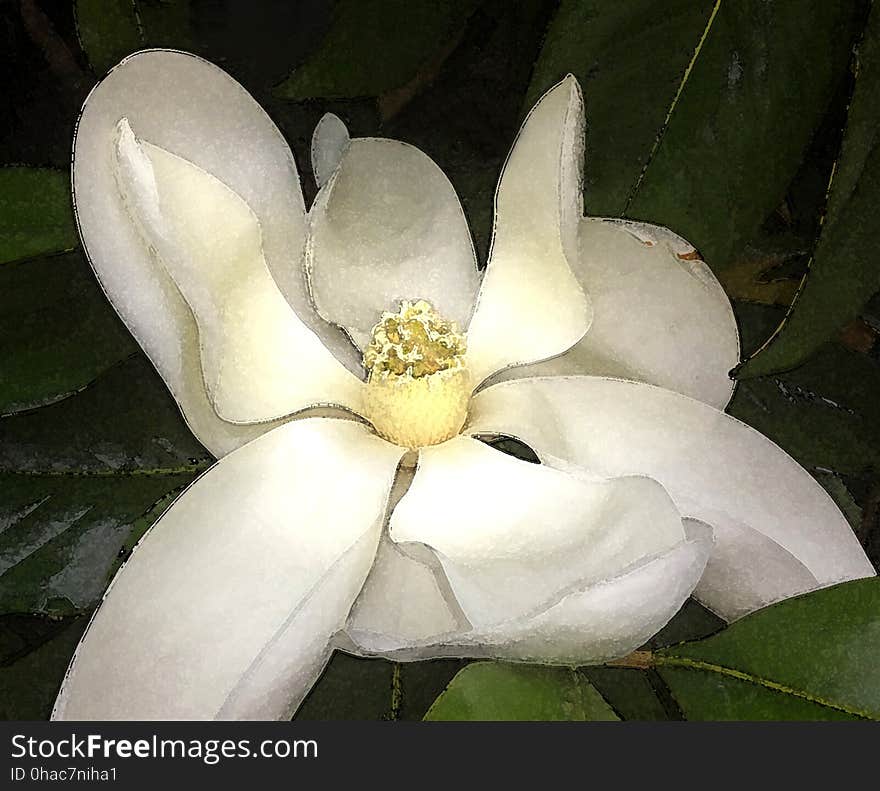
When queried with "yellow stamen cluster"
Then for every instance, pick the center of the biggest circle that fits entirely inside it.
(419, 386)
(416, 340)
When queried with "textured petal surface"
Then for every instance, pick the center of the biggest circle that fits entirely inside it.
(717, 470)
(386, 226)
(531, 306)
(227, 605)
(404, 602)
(602, 621)
(744, 563)
(513, 537)
(197, 111)
(259, 360)
(330, 141)
(611, 618)
(659, 314)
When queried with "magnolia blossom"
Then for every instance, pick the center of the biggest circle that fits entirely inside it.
(346, 366)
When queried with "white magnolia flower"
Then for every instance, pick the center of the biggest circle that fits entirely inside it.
(299, 540)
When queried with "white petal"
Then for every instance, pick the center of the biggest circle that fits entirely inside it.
(659, 314)
(259, 360)
(588, 626)
(330, 141)
(190, 107)
(388, 226)
(609, 619)
(613, 617)
(531, 306)
(227, 605)
(403, 602)
(512, 537)
(748, 570)
(716, 468)
(287, 667)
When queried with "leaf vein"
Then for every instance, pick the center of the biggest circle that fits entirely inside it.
(665, 125)
(697, 664)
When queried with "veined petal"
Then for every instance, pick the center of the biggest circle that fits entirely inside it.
(513, 537)
(531, 306)
(259, 360)
(716, 469)
(189, 106)
(659, 314)
(227, 605)
(386, 226)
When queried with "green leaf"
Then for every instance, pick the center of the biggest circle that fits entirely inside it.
(713, 177)
(126, 422)
(825, 414)
(422, 682)
(144, 522)
(683, 100)
(843, 274)
(490, 691)
(63, 535)
(57, 331)
(639, 695)
(371, 49)
(353, 688)
(36, 214)
(755, 322)
(811, 657)
(80, 480)
(108, 31)
(166, 23)
(834, 485)
(371, 689)
(692, 622)
(629, 57)
(629, 692)
(111, 29)
(35, 656)
(21, 634)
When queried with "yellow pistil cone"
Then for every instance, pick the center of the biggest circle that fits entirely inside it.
(419, 387)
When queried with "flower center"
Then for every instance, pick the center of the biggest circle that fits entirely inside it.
(418, 387)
